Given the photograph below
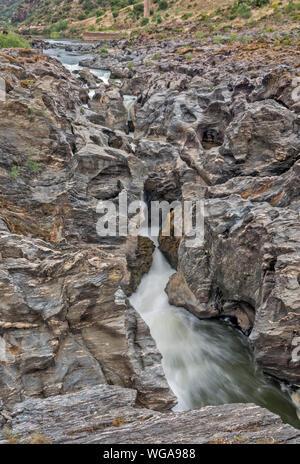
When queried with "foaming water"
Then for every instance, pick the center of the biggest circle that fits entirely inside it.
(129, 101)
(206, 362)
(71, 60)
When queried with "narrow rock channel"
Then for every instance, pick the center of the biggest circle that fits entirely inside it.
(205, 362)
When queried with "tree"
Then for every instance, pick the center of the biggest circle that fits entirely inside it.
(147, 8)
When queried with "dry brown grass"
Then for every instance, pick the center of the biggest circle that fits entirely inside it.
(39, 439)
(118, 422)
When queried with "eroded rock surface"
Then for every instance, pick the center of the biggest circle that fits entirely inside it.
(108, 415)
(222, 130)
(65, 320)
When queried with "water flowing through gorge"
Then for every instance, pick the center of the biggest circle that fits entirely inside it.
(206, 362)
(71, 60)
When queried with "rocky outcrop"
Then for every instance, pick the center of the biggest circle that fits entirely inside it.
(24, 10)
(235, 144)
(108, 104)
(243, 236)
(108, 414)
(66, 323)
(65, 320)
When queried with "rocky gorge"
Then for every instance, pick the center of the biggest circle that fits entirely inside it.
(222, 125)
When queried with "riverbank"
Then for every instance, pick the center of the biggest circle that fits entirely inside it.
(12, 40)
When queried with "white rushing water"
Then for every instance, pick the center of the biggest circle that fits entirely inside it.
(129, 101)
(71, 60)
(206, 362)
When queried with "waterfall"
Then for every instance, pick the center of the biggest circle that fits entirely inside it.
(128, 102)
(206, 362)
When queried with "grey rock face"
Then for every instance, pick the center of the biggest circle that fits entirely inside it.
(230, 137)
(109, 105)
(252, 257)
(107, 414)
(263, 139)
(65, 321)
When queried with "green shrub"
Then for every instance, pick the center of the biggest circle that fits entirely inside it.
(100, 13)
(245, 39)
(218, 39)
(54, 35)
(12, 40)
(60, 26)
(138, 9)
(162, 5)
(244, 12)
(156, 57)
(144, 21)
(200, 35)
(106, 28)
(186, 16)
(259, 3)
(73, 30)
(33, 165)
(290, 7)
(15, 171)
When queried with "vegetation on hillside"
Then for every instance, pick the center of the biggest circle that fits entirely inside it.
(8, 9)
(12, 40)
(69, 18)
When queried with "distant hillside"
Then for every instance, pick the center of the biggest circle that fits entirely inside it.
(8, 9)
(58, 18)
(94, 14)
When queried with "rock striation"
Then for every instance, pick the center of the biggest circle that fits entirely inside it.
(65, 320)
(108, 415)
(225, 131)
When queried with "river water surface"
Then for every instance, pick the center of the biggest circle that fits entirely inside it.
(206, 362)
